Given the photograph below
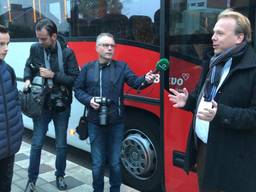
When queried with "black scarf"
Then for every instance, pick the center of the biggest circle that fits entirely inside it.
(216, 65)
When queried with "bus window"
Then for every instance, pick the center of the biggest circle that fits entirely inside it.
(190, 31)
(18, 17)
(74, 18)
(21, 16)
(124, 19)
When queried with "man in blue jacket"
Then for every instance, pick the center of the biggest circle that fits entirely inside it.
(99, 86)
(11, 125)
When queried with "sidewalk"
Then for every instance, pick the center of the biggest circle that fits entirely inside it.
(78, 178)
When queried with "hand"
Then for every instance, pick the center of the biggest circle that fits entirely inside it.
(150, 77)
(46, 73)
(178, 98)
(27, 84)
(93, 104)
(208, 113)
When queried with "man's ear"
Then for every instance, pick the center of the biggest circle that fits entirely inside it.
(96, 48)
(240, 38)
(54, 36)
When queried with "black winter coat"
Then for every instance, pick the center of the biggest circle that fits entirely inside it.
(231, 147)
(11, 124)
(106, 82)
(71, 69)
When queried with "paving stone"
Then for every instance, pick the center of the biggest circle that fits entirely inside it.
(78, 178)
(70, 181)
(20, 156)
(15, 188)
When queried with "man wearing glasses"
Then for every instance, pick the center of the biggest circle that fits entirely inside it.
(99, 87)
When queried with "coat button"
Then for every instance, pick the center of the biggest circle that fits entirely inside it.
(225, 120)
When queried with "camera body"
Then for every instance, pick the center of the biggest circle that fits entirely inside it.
(103, 110)
(58, 99)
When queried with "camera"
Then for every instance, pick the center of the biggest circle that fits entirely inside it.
(58, 99)
(103, 110)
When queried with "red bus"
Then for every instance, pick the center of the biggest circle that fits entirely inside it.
(145, 31)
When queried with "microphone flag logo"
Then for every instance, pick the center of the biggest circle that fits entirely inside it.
(162, 64)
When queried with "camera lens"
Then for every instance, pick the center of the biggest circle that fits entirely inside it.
(103, 110)
(103, 115)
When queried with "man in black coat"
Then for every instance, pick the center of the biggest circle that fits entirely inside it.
(221, 143)
(55, 63)
(11, 124)
(99, 87)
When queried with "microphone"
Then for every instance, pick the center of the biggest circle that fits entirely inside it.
(161, 65)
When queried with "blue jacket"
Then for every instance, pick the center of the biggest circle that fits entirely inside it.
(108, 82)
(11, 124)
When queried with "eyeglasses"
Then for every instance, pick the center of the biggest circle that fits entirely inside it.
(106, 45)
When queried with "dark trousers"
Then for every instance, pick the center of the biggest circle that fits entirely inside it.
(6, 173)
(106, 145)
(60, 121)
(201, 154)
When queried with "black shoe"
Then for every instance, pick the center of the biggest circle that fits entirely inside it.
(60, 183)
(30, 187)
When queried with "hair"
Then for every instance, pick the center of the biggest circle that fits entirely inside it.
(48, 24)
(3, 29)
(242, 23)
(103, 35)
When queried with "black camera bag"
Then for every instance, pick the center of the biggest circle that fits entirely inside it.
(32, 100)
(82, 128)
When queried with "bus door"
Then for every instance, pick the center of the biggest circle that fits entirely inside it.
(191, 24)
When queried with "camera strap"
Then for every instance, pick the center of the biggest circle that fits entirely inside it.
(112, 72)
(85, 111)
(112, 75)
(97, 69)
(60, 62)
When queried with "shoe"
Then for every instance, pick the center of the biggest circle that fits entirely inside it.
(30, 187)
(60, 183)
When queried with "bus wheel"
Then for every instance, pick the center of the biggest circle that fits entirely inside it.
(140, 159)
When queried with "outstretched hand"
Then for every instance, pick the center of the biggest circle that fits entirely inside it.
(178, 98)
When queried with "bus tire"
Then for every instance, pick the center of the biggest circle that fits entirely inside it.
(140, 152)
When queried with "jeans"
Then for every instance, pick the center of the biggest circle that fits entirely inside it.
(106, 146)
(60, 121)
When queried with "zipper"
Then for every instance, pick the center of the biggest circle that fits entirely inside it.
(101, 82)
(119, 106)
